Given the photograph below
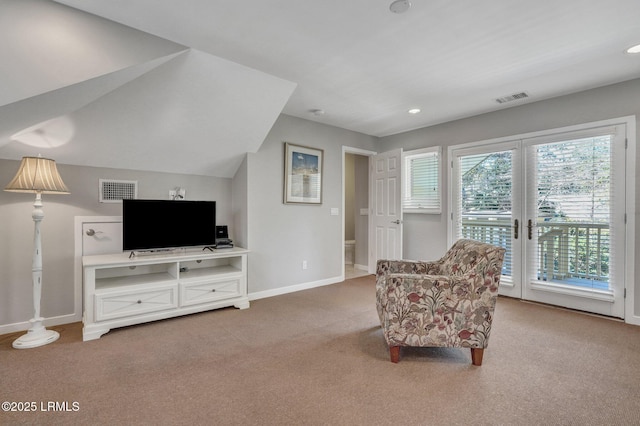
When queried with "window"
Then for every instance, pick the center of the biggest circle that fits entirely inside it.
(421, 181)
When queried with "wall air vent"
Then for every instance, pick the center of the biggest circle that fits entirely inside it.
(114, 191)
(513, 97)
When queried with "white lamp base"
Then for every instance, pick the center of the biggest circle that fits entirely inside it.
(36, 336)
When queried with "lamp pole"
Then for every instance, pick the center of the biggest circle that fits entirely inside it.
(40, 176)
(37, 335)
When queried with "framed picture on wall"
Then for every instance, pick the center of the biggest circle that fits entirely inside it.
(302, 174)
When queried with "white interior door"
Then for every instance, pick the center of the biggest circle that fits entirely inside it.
(385, 226)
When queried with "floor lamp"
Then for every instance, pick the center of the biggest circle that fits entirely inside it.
(40, 176)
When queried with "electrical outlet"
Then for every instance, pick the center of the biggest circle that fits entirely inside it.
(304, 264)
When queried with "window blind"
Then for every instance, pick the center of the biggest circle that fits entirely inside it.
(484, 200)
(573, 203)
(422, 181)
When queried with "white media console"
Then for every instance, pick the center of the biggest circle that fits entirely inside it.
(121, 291)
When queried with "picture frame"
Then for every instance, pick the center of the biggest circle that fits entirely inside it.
(302, 174)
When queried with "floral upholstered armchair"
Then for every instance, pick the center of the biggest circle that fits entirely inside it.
(447, 303)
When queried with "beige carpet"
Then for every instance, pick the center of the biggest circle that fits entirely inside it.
(318, 357)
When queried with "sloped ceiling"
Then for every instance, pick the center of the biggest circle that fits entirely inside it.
(93, 92)
(181, 117)
(366, 67)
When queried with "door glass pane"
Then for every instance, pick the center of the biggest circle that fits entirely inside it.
(573, 180)
(485, 204)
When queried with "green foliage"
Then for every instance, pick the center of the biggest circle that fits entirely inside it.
(573, 180)
(486, 185)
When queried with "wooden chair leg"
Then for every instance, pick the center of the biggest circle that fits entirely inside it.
(476, 356)
(394, 351)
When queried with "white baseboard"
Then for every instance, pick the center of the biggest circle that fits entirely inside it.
(361, 267)
(632, 319)
(48, 322)
(293, 288)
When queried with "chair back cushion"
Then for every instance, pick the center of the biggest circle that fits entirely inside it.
(466, 256)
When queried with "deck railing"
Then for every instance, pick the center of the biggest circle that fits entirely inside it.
(566, 250)
(574, 250)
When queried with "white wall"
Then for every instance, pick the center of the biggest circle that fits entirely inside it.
(425, 235)
(282, 235)
(57, 230)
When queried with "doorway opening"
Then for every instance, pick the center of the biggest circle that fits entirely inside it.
(355, 208)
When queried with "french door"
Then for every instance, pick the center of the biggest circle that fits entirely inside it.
(557, 205)
(486, 188)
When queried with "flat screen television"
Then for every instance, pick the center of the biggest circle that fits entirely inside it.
(165, 224)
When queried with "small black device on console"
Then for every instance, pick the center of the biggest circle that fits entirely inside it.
(222, 237)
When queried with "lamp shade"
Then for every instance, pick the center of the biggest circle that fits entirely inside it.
(37, 174)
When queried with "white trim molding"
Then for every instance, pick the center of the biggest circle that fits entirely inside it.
(294, 288)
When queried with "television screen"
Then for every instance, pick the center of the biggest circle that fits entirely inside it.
(160, 224)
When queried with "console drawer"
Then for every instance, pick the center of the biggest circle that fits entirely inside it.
(203, 291)
(119, 304)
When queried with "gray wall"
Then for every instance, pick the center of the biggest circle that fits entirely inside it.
(282, 235)
(425, 236)
(57, 230)
(239, 205)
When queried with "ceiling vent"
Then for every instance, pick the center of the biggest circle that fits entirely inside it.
(114, 191)
(513, 97)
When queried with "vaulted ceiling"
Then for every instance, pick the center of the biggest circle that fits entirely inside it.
(152, 85)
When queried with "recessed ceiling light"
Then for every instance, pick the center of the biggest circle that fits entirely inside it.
(634, 49)
(414, 110)
(400, 6)
(317, 111)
